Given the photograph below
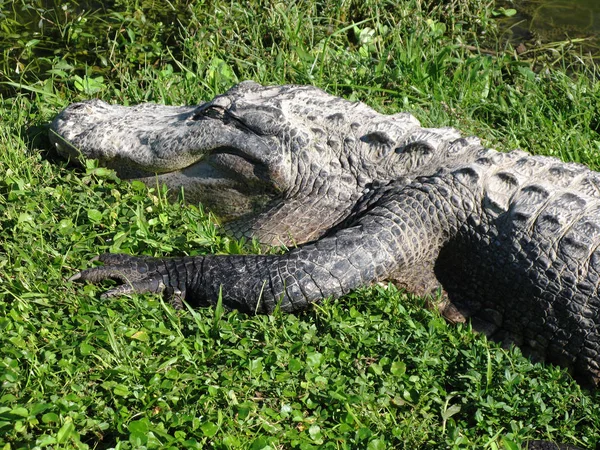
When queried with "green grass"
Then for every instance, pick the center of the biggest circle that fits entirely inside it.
(373, 370)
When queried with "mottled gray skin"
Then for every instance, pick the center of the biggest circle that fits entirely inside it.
(510, 240)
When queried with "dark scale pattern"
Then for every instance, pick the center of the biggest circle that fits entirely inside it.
(513, 240)
(528, 279)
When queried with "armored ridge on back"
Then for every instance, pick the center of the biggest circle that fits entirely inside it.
(511, 239)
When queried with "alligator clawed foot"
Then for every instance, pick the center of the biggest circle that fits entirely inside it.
(137, 275)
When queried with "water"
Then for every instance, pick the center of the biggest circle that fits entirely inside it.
(547, 21)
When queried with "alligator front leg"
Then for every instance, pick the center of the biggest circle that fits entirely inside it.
(253, 284)
(386, 242)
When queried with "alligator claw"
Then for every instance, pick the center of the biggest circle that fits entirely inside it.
(137, 275)
(151, 286)
(176, 298)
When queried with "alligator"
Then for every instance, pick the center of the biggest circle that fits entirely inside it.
(509, 241)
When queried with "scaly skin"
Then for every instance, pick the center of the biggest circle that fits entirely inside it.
(511, 240)
(282, 164)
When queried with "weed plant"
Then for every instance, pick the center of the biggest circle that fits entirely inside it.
(373, 370)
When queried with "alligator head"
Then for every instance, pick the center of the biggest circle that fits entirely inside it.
(279, 163)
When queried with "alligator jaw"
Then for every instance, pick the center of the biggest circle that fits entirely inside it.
(216, 163)
(148, 137)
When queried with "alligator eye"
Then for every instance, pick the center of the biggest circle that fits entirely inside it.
(210, 112)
